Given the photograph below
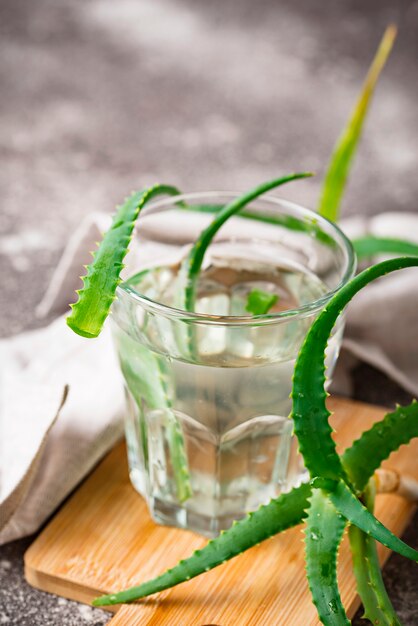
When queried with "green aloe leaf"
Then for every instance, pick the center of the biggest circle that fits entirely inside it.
(280, 514)
(339, 166)
(356, 513)
(193, 262)
(396, 429)
(287, 221)
(309, 410)
(323, 534)
(147, 382)
(370, 586)
(90, 311)
(260, 302)
(371, 246)
(99, 284)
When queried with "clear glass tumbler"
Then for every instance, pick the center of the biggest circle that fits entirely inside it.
(207, 426)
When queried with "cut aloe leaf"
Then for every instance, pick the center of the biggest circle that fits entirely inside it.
(103, 274)
(260, 302)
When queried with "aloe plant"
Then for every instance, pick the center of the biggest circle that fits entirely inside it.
(103, 274)
(92, 308)
(146, 381)
(336, 482)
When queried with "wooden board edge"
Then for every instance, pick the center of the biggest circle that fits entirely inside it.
(64, 588)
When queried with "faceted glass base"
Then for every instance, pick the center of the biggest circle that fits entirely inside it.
(207, 515)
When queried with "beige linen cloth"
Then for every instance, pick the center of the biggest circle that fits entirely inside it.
(61, 396)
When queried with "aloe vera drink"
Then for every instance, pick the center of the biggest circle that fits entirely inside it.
(219, 387)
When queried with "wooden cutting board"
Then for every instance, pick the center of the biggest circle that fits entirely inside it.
(103, 539)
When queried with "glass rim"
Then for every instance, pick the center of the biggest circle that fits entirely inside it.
(247, 320)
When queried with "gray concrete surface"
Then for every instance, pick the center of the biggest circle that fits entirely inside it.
(98, 97)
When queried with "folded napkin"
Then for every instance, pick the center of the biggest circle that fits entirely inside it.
(61, 396)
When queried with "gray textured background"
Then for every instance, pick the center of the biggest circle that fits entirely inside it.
(98, 97)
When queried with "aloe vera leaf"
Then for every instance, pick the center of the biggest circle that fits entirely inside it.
(280, 514)
(146, 381)
(286, 221)
(178, 459)
(95, 299)
(259, 302)
(341, 158)
(193, 262)
(139, 275)
(140, 388)
(191, 265)
(102, 278)
(370, 586)
(370, 246)
(143, 376)
(383, 438)
(356, 513)
(309, 410)
(292, 223)
(323, 534)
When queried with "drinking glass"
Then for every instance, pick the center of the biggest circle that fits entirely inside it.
(208, 392)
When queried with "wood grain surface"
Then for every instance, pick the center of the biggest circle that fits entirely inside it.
(103, 539)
